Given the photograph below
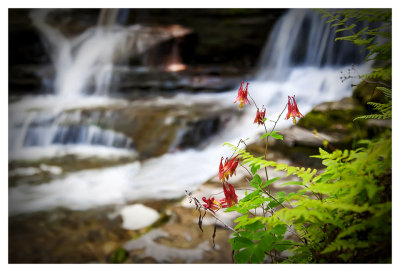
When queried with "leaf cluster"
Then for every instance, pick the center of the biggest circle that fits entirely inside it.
(376, 36)
(385, 110)
(341, 214)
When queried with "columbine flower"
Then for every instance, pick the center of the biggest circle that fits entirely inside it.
(242, 95)
(293, 111)
(230, 195)
(214, 204)
(260, 117)
(228, 169)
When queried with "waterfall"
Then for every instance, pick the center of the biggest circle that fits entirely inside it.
(87, 59)
(84, 73)
(83, 65)
(302, 38)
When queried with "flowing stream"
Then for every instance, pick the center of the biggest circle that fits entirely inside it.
(299, 58)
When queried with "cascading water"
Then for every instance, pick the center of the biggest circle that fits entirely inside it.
(311, 71)
(308, 41)
(84, 67)
(46, 125)
(89, 56)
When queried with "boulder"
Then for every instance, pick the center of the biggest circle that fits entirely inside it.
(138, 216)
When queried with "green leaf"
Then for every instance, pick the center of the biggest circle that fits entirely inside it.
(258, 254)
(250, 196)
(283, 245)
(274, 204)
(254, 168)
(244, 255)
(346, 28)
(240, 242)
(280, 194)
(254, 226)
(279, 229)
(256, 181)
(273, 134)
(265, 135)
(276, 135)
(293, 183)
(269, 182)
(266, 242)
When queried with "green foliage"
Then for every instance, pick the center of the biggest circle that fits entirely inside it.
(346, 20)
(385, 110)
(377, 40)
(342, 214)
(273, 134)
(119, 256)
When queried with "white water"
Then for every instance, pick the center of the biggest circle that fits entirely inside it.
(169, 175)
(308, 41)
(84, 64)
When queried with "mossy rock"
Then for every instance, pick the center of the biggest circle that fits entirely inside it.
(366, 92)
(119, 256)
(337, 118)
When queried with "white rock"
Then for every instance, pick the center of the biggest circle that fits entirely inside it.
(138, 216)
(24, 171)
(55, 170)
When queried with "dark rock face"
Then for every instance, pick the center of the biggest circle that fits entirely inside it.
(27, 53)
(200, 131)
(24, 41)
(234, 36)
(219, 38)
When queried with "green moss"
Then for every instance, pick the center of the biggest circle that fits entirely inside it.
(365, 92)
(119, 256)
(163, 219)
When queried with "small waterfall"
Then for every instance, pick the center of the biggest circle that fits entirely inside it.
(40, 129)
(302, 38)
(84, 64)
(84, 69)
(107, 17)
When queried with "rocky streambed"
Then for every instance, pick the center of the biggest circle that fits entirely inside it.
(167, 231)
(108, 235)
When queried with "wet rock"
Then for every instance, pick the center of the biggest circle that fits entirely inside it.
(46, 169)
(328, 125)
(366, 92)
(165, 254)
(344, 104)
(24, 171)
(377, 123)
(332, 117)
(157, 128)
(63, 236)
(132, 82)
(138, 216)
(197, 132)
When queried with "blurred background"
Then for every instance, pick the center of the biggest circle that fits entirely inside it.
(114, 113)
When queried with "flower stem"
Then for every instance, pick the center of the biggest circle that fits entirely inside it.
(199, 206)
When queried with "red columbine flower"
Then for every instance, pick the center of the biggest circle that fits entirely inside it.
(214, 204)
(260, 117)
(293, 111)
(228, 169)
(242, 95)
(230, 195)
(230, 199)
